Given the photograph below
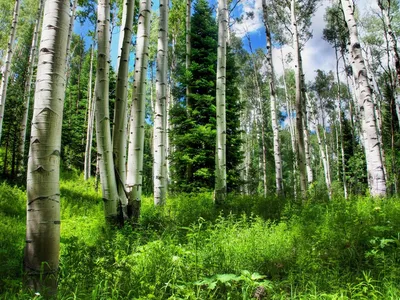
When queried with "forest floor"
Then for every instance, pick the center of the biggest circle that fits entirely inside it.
(250, 248)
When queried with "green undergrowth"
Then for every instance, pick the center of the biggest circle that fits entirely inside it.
(248, 248)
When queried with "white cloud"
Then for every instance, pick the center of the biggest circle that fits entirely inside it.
(248, 25)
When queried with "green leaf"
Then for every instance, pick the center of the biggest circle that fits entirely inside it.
(227, 277)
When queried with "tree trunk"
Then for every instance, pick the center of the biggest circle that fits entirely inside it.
(300, 149)
(289, 112)
(394, 51)
(160, 116)
(188, 48)
(220, 155)
(339, 108)
(376, 176)
(103, 132)
(90, 115)
(7, 66)
(274, 120)
(323, 150)
(43, 191)
(121, 104)
(28, 86)
(136, 131)
(377, 110)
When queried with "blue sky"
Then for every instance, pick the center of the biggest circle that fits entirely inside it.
(317, 54)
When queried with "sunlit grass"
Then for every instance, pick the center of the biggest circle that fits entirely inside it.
(190, 249)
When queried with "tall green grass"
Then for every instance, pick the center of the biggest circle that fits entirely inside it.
(249, 247)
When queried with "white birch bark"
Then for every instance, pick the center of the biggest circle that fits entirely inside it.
(220, 157)
(28, 83)
(90, 120)
(121, 104)
(160, 116)
(323, 150)
(7, 65)
(339, 112)
(103, 131)
(310, 175)
(70, 31)
(43, 191)
(274, 121)
(321, 146)
(376, 176)
(136, 128)
(301, 160)
(377, 109)
(289, 112)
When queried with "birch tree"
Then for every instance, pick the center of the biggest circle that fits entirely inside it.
(137, 116)
(90, 120)
(41, 258)
(376, 176)
(160, 116)
(103, 131)
(300, 148)
(121, 104)
(274, 121)
(7, 65)
(28, 82)
(220, 155)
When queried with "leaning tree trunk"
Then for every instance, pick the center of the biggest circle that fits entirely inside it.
(28, 84)
(7, 67)
(137, 121)
(220, 154)
(160, 130)
(43, 204)
(376, 176)
(300, 149)
(121, 104)
(103, 131)
(274, 120)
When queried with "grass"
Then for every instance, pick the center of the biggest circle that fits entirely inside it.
(189, 249)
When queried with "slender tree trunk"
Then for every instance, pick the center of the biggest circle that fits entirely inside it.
(339, 108)
(324, 160)
(160, 116)
(136, 131)
(300, 149)
(43, 191)
(103, 132)
(7, 67)
(289, 111)
(376, 176)
(377, 110)
(28, 85)
(322, 145)
(274, 120)
(188, 48)
(220, 155)
(310, 176)
(259, 117)
(90, 121)
(393, 49)
(121, 104)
